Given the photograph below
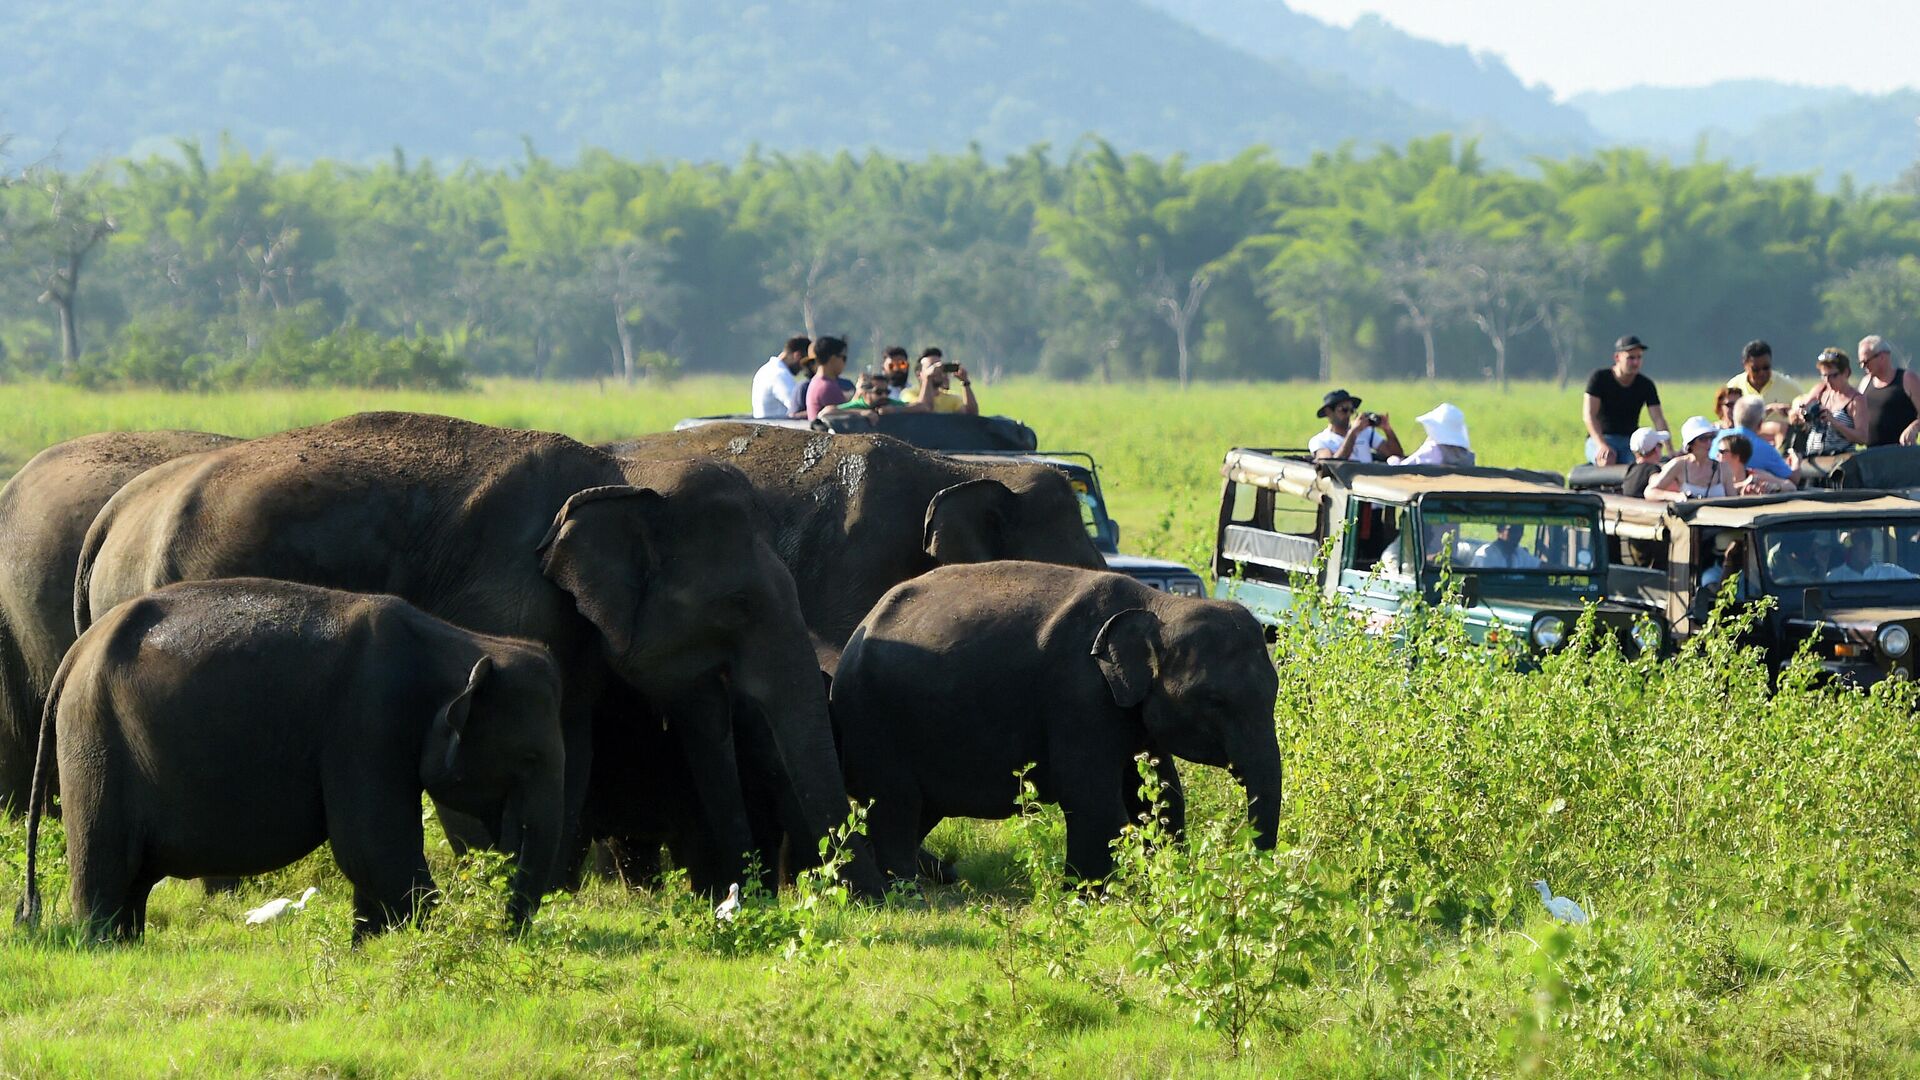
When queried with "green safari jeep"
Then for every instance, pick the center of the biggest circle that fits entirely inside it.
(1526, 554)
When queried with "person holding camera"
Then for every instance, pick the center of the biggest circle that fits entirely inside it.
(1352, 435)
(937, 375)
(1826, 412)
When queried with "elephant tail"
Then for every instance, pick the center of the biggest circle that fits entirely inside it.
(38, 795)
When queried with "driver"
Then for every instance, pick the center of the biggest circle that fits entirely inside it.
(1859, 564)
(1504, 552)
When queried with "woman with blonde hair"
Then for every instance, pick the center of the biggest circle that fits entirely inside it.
(1829, 413)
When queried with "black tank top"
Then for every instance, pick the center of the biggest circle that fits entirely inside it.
(1892, 410)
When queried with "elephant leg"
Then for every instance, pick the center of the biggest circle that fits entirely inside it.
(703, 723)
(101, 851)
(894, 827)
(932, 867)
(1095, 814)
(380, 848)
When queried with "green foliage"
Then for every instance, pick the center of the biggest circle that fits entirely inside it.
(1414, 259)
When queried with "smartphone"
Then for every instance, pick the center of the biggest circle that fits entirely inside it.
(949, 366)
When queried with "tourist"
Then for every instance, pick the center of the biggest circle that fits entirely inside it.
(1889, 396)
(1693, 474)
(1446, 443)
(1829, 413)
(1748, 414)
(775, 383)
(1615, 395)
(1648, 446)
(1350, 436)
(937, 375)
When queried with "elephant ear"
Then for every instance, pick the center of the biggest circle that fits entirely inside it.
(967, 523)
(442, 753)
(1127, 649)
(602, 550)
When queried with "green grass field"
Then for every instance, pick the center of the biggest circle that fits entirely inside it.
(1747, 858)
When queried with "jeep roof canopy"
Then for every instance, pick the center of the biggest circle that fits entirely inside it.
(1387, 483)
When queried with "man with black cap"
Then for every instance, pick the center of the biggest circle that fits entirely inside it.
(1350, 436)
(1615, 396)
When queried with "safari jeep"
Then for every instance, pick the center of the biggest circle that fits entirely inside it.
(1084, 475)
(1841, 567)
(1527, 555)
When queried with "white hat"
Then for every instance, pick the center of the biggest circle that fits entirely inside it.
(1446, 425)
(1695, 427)
(1646, 438)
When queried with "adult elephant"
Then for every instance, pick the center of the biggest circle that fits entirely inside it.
(854, 515)
(668, 588)
(44, 513)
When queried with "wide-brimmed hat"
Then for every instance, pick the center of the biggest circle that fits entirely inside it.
(1695, 427)
(1446, 425)
(1336, 397)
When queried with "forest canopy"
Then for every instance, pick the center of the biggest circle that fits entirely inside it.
(203, 267)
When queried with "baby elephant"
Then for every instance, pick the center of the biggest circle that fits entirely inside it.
(961, 676)
(228, 728)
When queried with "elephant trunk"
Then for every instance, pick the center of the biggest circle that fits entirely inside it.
(1256, 762)
(781, 676)
(530, 828)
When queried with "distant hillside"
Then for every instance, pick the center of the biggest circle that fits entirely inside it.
(1678, 114)
(700, 79)
(1477, 88)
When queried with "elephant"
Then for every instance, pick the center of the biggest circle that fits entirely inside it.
(44, 513)
(668, 590)
(961, 676)
(854, 515)
(216, 728)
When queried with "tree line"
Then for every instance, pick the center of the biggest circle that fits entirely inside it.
(198, 270)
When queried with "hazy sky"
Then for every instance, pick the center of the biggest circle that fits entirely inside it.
(1575, 45)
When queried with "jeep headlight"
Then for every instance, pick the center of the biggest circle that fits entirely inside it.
(1184, 586)
(1549, 631)
(1646, 637)
(1895, 640)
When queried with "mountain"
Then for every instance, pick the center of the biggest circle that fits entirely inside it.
(1676, 115)
(1477, 88)
(699, 79)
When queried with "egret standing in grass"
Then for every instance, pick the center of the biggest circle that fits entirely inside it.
(730, 905)
(273, 909)
(1560, 907)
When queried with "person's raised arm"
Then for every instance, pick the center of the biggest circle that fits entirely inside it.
(1659, 417)
(1389, 446)
(1603, 455)
(968, 403)
(924, 402)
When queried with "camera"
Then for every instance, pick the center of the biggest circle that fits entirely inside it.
(949, 366)
(1372, 417)
(1812, 410)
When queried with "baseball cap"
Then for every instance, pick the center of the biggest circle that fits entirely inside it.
(1646, 438)
(1631, 341)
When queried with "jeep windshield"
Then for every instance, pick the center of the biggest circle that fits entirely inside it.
(1093, 507)
(1508, 536)
(1802, 553)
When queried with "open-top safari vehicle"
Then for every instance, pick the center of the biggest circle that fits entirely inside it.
(1841, 568)
(1526, 555)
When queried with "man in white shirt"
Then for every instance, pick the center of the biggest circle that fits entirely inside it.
(774, 383)
(1860, 566)
(1349, 437)
(1505, 553)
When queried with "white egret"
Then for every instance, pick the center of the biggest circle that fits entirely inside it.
(1560, 907)
(273, 909)
(731, 904)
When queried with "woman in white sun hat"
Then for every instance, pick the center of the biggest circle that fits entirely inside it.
(1446, 443)
(1692, 474)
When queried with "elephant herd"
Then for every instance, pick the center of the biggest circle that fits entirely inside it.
(223, 653)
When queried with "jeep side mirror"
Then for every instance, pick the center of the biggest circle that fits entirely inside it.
(1813, 603)
(1113, 534)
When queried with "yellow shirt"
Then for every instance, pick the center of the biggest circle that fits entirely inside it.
(950, 403)
(1781, 389)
